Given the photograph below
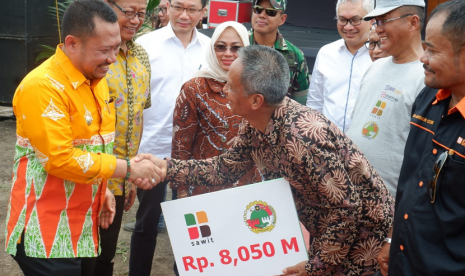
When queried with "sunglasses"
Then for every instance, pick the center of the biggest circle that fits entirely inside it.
(269, 11)
(223, 48)
(437, 168)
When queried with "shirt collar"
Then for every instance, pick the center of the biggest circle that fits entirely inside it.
(444, 94)
(280, 43)
(277, 121)
(75, 77)
(342, 46)
(131, 46)
(171, 34)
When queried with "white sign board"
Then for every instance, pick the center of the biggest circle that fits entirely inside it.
(249, 230)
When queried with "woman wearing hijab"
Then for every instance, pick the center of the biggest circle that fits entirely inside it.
(203, 124)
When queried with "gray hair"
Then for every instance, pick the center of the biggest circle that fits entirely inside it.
(368, 5)
(266, 72)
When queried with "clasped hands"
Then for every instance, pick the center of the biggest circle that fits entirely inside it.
(147, 171)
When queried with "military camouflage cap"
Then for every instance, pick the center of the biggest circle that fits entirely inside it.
(277, 4)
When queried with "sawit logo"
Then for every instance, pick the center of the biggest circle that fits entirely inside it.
(197, 226)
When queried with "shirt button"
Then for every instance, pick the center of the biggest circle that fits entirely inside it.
(402, 248)
(435, 151)
(226, 125)
(421, 184)
(406, 216)
(223, 139)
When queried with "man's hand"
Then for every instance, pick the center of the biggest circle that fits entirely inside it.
(383, 258)
(130, 198)
(297, 270)
(161, 166)
(108, 211)
(146, 171)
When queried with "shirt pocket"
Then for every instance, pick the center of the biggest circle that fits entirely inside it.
(450, 194)
(112, 108)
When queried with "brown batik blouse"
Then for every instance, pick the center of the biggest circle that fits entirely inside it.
(203, 127)
(340, 198)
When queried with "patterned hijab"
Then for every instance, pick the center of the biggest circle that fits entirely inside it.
(213, 69)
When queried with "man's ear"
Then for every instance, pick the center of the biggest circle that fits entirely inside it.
(283, 19)
(256, 101)
(70, 43)
(414, 22)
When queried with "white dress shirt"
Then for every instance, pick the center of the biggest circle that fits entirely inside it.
(172, 65)
(336, 81)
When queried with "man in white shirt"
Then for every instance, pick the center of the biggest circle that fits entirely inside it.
(380, 123)
(340, 65)
(175, 52)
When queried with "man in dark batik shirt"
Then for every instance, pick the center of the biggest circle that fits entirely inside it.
(340, 198)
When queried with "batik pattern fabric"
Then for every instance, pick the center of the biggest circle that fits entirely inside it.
(340, 198)
(65, 134)
(298, 69)
(203, 127)
(129, 84)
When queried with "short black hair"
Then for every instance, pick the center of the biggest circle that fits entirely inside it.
(79, 17)
(204, 3)
(420, 11)
(454, 25)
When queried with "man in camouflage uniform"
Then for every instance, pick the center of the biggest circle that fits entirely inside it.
(267, 16)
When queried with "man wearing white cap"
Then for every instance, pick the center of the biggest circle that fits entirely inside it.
(380, 121)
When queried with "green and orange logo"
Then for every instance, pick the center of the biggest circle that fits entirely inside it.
(370, 130)
(379, 108)
(197, 225)
(260, 217)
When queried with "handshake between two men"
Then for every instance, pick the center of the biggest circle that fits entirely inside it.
(147, 171)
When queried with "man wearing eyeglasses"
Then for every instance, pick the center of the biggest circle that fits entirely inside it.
(267, 16)
(129, 84)
(340, 65)
(373, 46)
(428, 234)
(175, 52)
(163, 16)
(380, 123)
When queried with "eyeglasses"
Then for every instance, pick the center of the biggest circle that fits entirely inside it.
(131, 14)
(269, 11)
(354, 21)
(437, 167)
(371, 45)
(163, 10)
(179, 9)
(381, 23)
(223, 48)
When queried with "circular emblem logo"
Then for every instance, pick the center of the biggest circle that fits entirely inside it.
(260, 217)
(370, 130)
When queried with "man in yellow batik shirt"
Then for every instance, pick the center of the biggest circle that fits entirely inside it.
(129, 83)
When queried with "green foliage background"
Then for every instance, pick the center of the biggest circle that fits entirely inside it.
(46, 51)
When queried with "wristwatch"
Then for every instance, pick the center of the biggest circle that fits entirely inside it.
(388, 240)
